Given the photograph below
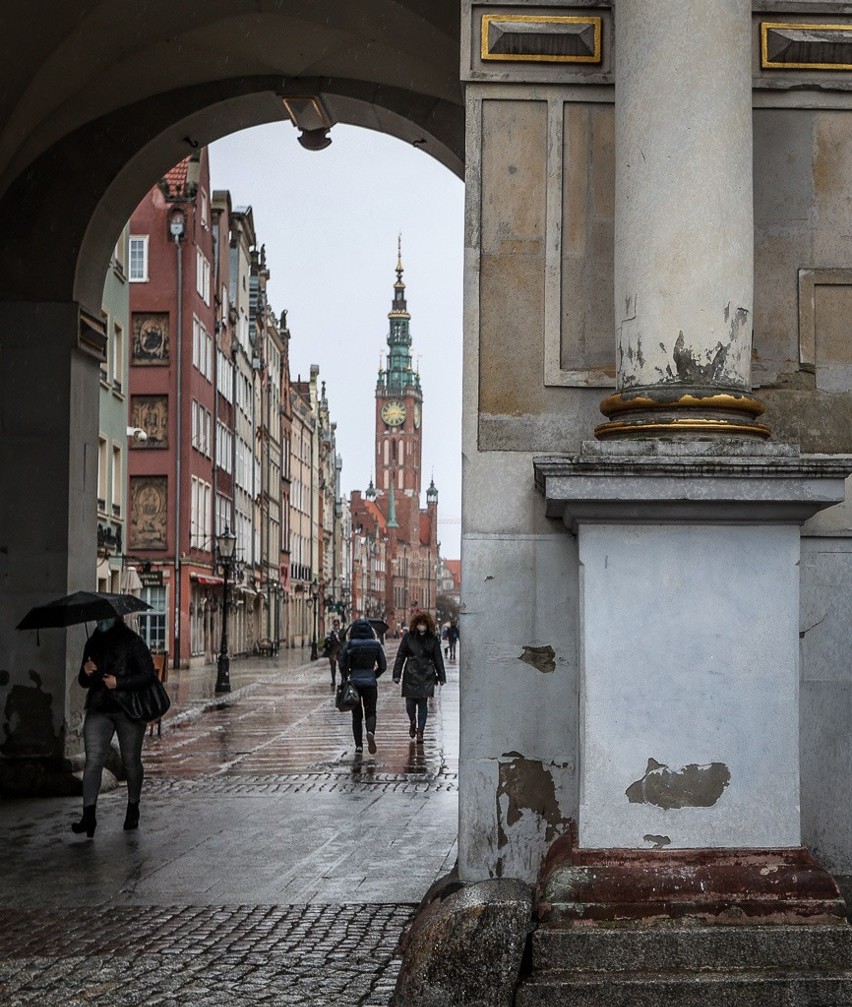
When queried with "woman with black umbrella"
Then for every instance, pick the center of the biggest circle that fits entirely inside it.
(116, 662)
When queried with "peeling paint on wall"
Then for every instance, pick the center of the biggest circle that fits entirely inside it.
(543, 659)
(692, 786)
(527, 785)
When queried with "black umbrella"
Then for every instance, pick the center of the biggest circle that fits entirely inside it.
(82, 606)
(379, 625)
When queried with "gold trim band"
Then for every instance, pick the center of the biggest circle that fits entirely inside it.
(620, 428)
(620, 403)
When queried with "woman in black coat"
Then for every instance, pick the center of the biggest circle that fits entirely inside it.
(420, 665)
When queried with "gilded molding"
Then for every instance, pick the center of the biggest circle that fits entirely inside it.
(619, 403)
(579, 33)
(680, 425)
(777, 37)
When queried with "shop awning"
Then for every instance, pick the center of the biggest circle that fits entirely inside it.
(206, 580)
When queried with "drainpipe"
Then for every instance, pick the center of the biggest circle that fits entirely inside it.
(178, 434)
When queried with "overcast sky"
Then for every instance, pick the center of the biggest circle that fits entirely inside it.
(330, 220)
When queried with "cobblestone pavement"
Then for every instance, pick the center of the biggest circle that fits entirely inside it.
(273, 865)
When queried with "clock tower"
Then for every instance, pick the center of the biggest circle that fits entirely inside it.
(399, 403)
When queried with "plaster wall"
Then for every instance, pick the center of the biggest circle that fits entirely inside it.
(826, 700)
(686, 665)
(48, 472)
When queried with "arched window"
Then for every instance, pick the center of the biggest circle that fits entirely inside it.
(401, 455)
(387, 452)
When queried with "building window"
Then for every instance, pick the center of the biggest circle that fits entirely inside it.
(202, 348)
(152, 622)
(138, 272)
(117, 481)
(200, 500)
(117, 357)
(225, 377)
(224, 447)
(103, 474)
(202, 276)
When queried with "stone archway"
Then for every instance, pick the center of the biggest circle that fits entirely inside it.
(96, 104)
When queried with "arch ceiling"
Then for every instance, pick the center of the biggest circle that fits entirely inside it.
(100, 97)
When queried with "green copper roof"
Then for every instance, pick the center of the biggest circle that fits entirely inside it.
(398, 373)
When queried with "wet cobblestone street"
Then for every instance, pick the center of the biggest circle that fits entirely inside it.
(272, 865)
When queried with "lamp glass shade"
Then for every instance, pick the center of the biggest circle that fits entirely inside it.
(226, 543)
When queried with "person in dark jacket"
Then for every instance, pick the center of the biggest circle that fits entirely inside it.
(420, 665)
(115, 661)
(362, 661)
(334, 641)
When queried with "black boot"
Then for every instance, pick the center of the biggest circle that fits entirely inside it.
(87, 823)
(131, 819)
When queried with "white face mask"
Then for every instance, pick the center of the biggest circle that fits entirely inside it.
(421, 629)
(105, 624)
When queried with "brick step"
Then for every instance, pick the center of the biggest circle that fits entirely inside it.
(591, 949)
(697, 989)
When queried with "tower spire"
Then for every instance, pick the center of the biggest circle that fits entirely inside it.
(398, 373)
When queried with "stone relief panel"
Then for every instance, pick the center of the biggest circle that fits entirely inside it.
(150, 339)
(825, 307)
(151, 414)
(148, 512)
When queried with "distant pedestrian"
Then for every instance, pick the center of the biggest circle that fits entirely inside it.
(452, 639)
(420, 666)
(116, 661)
(362, 661)
(334, 640)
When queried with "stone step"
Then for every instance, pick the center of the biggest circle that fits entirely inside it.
(698, 989)
(591, 949)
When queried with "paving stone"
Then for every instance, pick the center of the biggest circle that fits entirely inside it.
(232, 797)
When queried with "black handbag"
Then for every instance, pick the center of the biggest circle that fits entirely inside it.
(347, 697)
(146, 704)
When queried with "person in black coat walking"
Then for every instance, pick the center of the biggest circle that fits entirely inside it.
(115, 661)
(362, 661)
(420, 665)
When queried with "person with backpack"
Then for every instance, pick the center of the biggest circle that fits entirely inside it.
(363, 661)
(419, 665)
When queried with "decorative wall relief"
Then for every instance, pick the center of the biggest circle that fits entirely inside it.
(148, 513)
(150, 340)
(151, 414)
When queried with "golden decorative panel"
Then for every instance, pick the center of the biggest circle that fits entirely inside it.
(539, 39)
(786, 46)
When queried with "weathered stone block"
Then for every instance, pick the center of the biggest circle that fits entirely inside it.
(467, 948)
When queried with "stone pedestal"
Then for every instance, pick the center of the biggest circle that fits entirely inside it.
(689, 639)
(689, 753)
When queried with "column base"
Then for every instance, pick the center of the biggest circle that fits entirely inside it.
(700, 887)
(693, 413)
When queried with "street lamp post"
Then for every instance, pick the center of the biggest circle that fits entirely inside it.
(225, 545)
(314, 602)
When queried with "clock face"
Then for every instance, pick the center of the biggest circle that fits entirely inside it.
(393, 413)
(417, 415)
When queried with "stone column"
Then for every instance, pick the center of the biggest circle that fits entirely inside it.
(48, 481)
(683, 220)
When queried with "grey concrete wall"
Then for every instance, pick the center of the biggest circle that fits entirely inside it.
(826, 700)
(48, 487)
